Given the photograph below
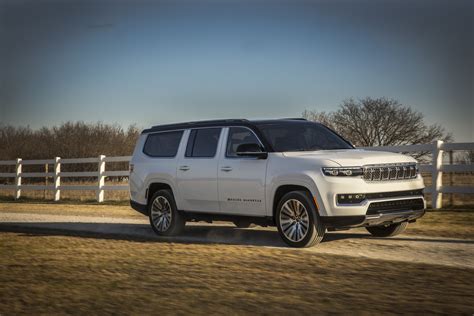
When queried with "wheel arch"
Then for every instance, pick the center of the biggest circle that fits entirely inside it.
(283, 189)
(156, 186)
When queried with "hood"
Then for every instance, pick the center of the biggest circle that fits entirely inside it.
(353, 157)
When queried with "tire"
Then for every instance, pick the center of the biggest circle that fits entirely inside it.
(165, 219)
(295, 211)
(243, 223)
(387, 231)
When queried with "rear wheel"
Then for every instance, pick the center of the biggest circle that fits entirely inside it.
(298, 221)
(387, 231)
(165, 219)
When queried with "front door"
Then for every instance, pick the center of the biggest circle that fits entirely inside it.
(241, 179)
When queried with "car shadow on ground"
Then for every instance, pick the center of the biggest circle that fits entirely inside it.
(332, 236)
(193, 234)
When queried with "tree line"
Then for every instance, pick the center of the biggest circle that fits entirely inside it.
(366, 122)
(68, 140)
(379, 122)
(372, 122)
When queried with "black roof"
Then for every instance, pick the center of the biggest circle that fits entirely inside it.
(211, 123)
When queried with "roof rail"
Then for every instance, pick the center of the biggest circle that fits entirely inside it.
(294, 119)
(204, 122)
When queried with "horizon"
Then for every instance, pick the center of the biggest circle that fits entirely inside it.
(159, 62)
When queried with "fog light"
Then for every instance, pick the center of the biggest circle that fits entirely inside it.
(353, 198)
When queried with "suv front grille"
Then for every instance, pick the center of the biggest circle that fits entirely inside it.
(390, 172)
(397, 205)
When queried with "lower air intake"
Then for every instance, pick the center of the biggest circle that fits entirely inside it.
(397, 205)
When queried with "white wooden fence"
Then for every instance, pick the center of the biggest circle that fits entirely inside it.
(436, 168)
(57, 187)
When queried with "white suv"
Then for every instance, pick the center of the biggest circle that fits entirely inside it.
(297, 175)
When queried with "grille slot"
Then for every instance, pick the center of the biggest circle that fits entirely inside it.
(393, 206)
(390, 172)
(383, 195)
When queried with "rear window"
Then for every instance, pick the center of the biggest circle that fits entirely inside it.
(202, 143)
(163, 144)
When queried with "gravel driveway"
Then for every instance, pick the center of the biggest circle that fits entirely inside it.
(353, 243)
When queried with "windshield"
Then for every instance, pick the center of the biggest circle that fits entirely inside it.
(301, 136)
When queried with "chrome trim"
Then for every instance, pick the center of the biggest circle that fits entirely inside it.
(390, 172)
(392, 217)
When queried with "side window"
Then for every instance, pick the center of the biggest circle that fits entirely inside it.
(163, 144)
(237, 136)
(202, 143)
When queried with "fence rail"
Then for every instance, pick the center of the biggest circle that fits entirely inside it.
(436, 168)
(57, 175)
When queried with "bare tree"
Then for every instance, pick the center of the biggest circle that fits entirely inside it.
(68, 140)
(466, 157)
(321, 117)
(379, 122)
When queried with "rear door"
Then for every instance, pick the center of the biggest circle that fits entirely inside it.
(197, 171)
(241, 179)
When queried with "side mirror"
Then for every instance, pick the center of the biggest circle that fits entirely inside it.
(251, 150)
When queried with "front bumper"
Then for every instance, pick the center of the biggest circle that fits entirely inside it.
(330, 187)
(378, 219)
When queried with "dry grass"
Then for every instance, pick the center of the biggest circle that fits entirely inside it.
(93, 209)
(43, 274)
(445, 223)
(76, 195)
(51, 274)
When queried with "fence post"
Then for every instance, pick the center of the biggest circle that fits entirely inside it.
(101, 179)
(437, 176)
(46, 170)
(18, 179)
(451, 182)
(57, 179)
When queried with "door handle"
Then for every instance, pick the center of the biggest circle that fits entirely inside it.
(184, 168)
(226, 168)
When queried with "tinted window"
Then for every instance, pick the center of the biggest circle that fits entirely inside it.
(203, 142)
(237, 136)
(162, 144)
(302, 136)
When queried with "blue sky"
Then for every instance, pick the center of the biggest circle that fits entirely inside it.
(151, 62)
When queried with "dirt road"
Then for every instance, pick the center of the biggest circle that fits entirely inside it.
(355, 243)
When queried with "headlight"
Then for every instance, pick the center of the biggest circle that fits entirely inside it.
(343, 171)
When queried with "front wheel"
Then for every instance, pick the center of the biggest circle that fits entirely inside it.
(298, 221)
(165, 219)
(387, 231)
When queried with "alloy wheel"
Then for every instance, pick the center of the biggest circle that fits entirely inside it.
(294, 220)
(161, 213)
